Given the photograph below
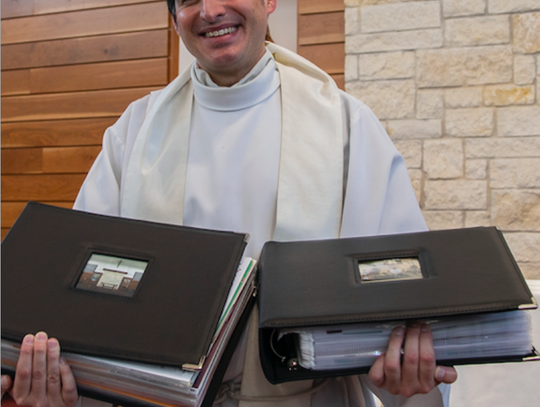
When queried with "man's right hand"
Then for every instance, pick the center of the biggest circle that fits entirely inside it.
(42, 378)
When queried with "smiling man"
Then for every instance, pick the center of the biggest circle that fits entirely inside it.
(254, 138)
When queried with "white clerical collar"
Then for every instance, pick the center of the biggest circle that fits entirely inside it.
(259, 84)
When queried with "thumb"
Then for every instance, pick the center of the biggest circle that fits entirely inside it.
(445, 374)
(6, 384)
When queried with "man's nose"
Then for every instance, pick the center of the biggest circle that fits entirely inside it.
(212, 9)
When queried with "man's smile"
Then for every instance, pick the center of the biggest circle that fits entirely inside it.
(219, 33)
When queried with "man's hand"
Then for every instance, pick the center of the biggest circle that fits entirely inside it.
(42, 377)
(418, 372)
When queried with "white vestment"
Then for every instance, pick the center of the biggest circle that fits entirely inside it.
(262, 165)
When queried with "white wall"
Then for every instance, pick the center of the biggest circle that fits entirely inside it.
(282, 28)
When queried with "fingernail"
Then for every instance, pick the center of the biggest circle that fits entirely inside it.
(41, 337)
(29, 339)
(52, 344)
(5, 382)
(399, 331)
(425, 327)
(439, 373)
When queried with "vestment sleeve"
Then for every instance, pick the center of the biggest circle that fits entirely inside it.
(379, 198)
(102, 188)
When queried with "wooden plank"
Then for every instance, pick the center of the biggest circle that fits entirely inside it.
(321, 28)
(329, 57)
(340, 80)
(174, 51)
(55, 160)
(55, 6)
(320, 6)
(69, 159)
(16, 82)
(118, 47)
(138, 17)
(79, 132)
(110, 75)
(22, 161)
(104, 103)
(17, 8)
(55, 187)
(12, 210)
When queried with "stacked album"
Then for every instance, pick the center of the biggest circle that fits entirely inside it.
(327, 307)
(147, 314)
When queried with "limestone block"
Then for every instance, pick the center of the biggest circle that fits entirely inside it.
(518, 121)
(429, 104)
(443, 159)
(476, 169)
(416, 182)
(411, 151)
(400, 16)
(352, 20)
(457, 8)
(463, 32)
(505, 95)
(512, 6)
(503, 147)
(515, 173)
(524, 246)
(517, 210)
(394, 41)
(477, 218)
(387, 99)
(438, 220)
(456, 195)
(524, 69)
(526, 32)
(463, 97)
(471, 122)
(351, 68)
(414, 129)
(387, 65)
(464, 66)
(531, 270)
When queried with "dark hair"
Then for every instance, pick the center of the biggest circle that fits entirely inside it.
(172, 9)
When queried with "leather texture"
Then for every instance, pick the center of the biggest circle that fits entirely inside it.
(314, 283)
(170, 320)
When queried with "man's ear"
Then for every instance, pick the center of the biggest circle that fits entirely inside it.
(175, 24)
(271, 6)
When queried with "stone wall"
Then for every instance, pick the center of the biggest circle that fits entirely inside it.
(456, 84)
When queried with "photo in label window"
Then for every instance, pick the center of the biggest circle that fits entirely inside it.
(112, 275)
(390, 270)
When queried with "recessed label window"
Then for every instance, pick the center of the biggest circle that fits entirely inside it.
(389, 270)
(112, 275)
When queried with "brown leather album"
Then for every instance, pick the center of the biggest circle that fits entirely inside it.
(315, 297)
(123, 289)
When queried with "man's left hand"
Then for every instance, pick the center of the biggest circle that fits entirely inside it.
(417, 373)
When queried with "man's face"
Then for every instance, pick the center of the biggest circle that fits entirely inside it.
(226, 36)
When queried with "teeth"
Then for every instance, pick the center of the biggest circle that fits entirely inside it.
(219, 33)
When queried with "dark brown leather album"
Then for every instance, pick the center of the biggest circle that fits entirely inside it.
(324, 291)
(119, 288)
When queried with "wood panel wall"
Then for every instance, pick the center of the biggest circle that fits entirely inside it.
(321, 35)
(69, 69)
